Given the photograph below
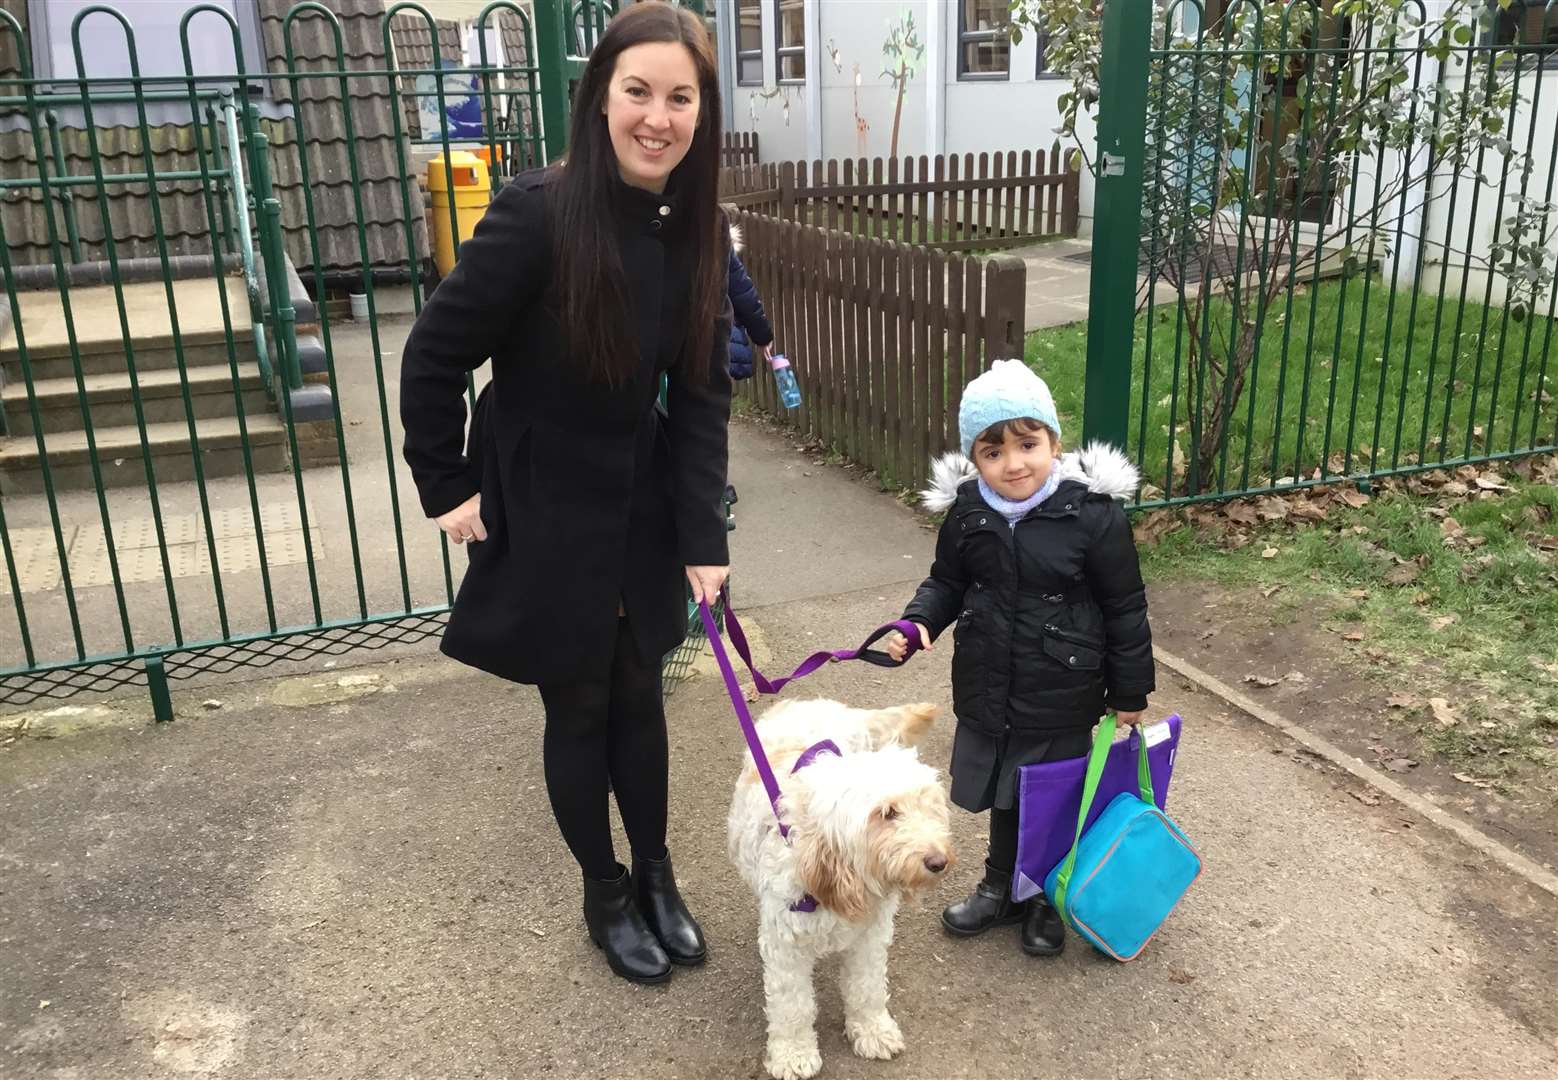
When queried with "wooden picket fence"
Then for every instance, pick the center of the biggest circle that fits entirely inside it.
(738, 148)
(950, 202)
(882, 336)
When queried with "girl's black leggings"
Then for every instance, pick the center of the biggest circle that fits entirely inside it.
(613, 730)
(1003, 838)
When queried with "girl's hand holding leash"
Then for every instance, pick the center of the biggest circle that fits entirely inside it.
(897, 645)
(463, 523)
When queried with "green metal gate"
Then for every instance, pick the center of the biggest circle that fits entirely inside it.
(199, 467)
(1324, 245)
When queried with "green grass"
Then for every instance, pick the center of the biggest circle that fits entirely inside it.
(1370, 385)
(1497, 660)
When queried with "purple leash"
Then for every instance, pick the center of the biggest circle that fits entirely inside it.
(764, 685)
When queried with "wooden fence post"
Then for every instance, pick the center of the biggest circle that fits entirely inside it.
(1070, 194)
(1006, 295)
(787, 190)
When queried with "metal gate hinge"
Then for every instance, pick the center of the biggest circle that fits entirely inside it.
(1114, 165)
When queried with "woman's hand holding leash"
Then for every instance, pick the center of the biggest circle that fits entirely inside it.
(897, 645)
(1130, 719)
(706, 582)
(463, 523)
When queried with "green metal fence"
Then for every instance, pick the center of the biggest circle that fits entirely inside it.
(1345, 263)
(199, 466)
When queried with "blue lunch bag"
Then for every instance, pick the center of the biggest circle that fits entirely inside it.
(1125, 874)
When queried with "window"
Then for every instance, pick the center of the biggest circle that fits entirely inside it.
(749, 42)
(790, 40)
(983, 49)
(1525, 23)
(1041, 65)
(158, 47)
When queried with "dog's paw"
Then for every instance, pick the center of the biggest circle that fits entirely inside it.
(877, 1038)
(793, 1060)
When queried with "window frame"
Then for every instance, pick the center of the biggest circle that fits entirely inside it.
(1541, 61)
(783, 51)
(968, 37)
(743, 55)
(43, 31)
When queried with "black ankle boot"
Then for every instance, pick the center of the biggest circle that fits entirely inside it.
(990, 905)
(618, 929)
(1043, 931)
(654, 886)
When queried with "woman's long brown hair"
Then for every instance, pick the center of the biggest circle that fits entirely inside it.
(590, 279)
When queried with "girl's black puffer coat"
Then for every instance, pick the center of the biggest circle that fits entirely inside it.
(1052, 615)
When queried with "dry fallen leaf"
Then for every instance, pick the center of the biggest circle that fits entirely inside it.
(1404, 574)
(1450, 527)
(1472, 780)
(1308, 510)
(1242, 513)
(1269, 553)
(1353, 498)
(1357, 594)
(1402, 700)
(1353, 635)
(1400, 764)
(1492, 481)
(1270, 590)
(1442, 621)
(1367, 798)
(1261, 680)
(1442, 712)
(1272, 508)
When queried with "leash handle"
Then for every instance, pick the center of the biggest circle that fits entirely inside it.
(817, 660)
(765, 685)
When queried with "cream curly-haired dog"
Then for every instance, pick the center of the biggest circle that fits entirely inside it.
(867, 826)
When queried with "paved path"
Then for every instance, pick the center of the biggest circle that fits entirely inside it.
(353, 874)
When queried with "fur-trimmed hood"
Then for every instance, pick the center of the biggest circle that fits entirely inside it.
(737, 241)
(1101, 468)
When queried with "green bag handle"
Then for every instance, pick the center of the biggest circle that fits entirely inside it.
(1096, 759)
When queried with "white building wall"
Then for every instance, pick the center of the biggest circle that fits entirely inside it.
(848, 119)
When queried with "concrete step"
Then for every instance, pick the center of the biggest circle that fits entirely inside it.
(120, 454)
(110, 401)
(108, 357)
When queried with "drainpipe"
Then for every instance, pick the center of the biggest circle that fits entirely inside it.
(935, 78)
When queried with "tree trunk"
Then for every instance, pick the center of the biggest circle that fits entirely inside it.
(903, 85)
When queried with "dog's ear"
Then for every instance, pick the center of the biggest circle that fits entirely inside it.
(828, 875)
(904, 725)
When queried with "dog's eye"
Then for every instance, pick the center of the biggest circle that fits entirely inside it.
(890, 813)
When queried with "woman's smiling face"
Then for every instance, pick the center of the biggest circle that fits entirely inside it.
(651, 111)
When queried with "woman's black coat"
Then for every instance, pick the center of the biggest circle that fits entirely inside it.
(591, 495)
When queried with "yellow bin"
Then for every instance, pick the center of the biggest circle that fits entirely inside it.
(466, 176)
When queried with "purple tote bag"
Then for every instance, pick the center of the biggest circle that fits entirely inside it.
(1050, 794)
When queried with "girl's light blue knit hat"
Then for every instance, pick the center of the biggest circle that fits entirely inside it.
(1008, 391)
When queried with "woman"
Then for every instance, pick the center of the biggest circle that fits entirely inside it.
(586, 508)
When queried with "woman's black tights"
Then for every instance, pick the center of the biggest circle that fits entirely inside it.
(615, 729)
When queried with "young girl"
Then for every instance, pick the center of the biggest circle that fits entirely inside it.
(1036, 564)
(752, 335)
(586, 510)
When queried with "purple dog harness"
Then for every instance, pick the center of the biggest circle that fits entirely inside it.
(764, 685)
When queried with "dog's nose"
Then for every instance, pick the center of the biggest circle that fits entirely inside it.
(935, 863)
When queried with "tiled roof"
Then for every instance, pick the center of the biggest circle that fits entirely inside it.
(321, 112)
